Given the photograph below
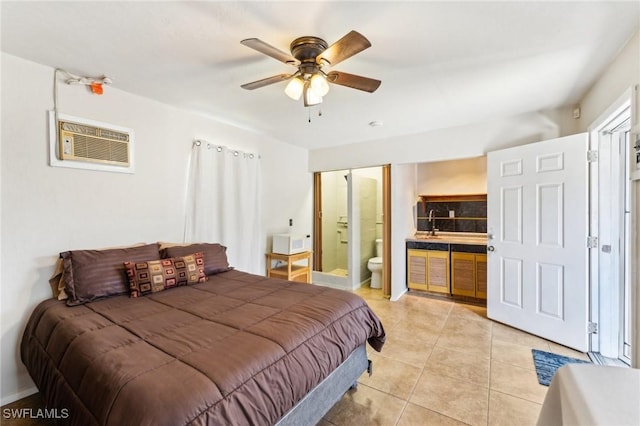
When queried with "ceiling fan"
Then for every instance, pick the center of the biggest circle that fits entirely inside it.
(312, 55)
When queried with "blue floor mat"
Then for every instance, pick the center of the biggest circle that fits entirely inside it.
(547, 363)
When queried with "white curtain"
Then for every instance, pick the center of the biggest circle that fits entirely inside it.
(223, 202)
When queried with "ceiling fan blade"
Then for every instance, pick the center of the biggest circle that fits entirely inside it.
(266, 81)
(354, 81)
(346, 47)
(269, 50)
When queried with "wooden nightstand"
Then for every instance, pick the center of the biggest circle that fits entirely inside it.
(290, 270)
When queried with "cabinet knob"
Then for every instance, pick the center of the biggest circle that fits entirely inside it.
(491, 248)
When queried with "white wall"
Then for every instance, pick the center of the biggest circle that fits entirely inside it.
(438, 145)
(46, 210)
(403, 220)
(453, 177)
(622, 73)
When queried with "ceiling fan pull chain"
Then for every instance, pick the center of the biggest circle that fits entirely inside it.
(309, 111)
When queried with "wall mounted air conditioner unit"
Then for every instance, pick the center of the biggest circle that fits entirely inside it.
(87, 144)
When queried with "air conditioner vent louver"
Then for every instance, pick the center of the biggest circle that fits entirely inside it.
(80, 142)
(96, 149)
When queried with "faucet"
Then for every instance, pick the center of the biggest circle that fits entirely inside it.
(432, 221)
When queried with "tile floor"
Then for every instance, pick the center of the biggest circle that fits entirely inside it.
(445, 363)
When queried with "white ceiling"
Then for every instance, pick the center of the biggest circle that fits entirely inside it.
(442, 64)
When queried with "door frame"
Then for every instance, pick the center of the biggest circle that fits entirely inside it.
(600, 309)
(317, 221)
(386, 230)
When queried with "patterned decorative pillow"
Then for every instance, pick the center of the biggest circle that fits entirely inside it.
(158, 275)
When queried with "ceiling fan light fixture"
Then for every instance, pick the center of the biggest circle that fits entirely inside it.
(319, 84)
(311, 98)
(310, 55)
(294, 88)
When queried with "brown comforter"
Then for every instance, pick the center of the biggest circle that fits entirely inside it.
(237, 349)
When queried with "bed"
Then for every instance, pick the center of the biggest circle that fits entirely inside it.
(226, 347)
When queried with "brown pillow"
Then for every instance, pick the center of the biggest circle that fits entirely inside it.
(158, 275)
(215, 255)
(92, 274)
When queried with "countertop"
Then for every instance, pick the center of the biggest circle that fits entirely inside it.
(451, 238)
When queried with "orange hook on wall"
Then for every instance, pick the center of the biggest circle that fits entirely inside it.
(96, 88)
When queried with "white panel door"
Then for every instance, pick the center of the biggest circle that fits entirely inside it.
(537, 226)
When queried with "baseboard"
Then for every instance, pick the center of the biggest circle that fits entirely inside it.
(398, 296)
(19, 395)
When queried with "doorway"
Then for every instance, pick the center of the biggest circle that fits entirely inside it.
(348, 221)
(611, 295)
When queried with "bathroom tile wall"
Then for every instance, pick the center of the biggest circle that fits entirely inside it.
(468, 216)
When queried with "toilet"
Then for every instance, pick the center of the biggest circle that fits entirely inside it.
(375, 266)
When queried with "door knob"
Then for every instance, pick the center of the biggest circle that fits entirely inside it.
(491, 248)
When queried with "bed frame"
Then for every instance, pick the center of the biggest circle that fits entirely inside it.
(310, 409)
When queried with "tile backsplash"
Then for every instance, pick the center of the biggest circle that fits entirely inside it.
(453, 213)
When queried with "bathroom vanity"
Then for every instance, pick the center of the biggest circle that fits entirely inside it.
(448, 263)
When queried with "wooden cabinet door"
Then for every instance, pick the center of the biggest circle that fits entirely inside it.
(463, 274)
(417, 269)
(481, 276)
(438, 271)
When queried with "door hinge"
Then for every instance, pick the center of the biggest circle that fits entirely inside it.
(592, 242)
(592, 328)
(592, 156)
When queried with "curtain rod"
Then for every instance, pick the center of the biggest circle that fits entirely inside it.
(219, 148)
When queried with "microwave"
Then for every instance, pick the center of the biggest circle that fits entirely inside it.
(290, 244)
